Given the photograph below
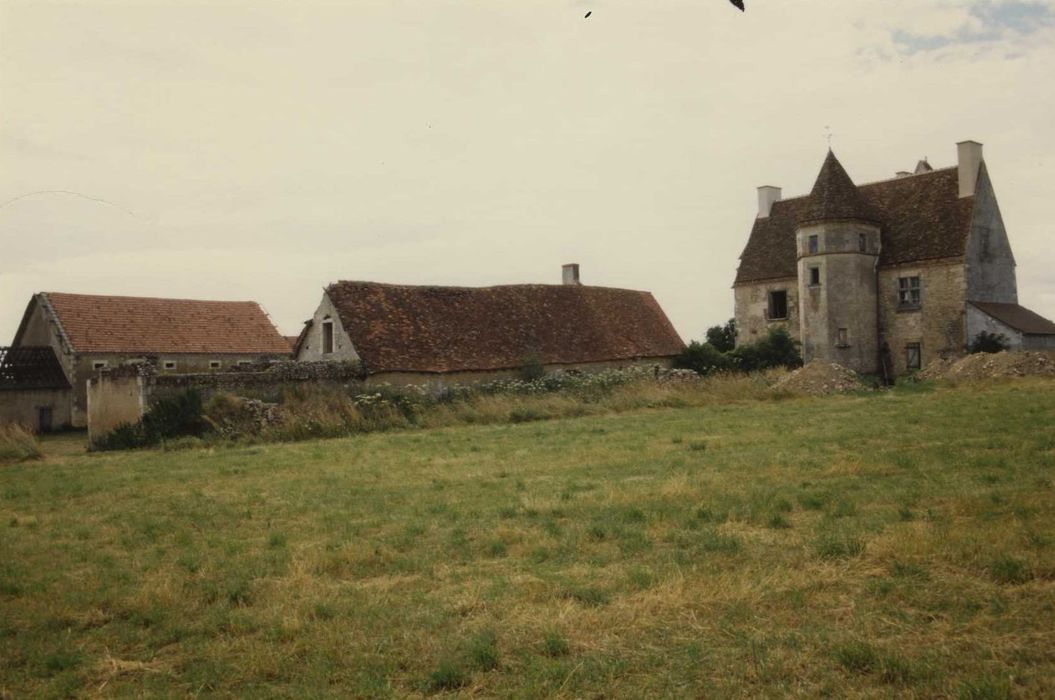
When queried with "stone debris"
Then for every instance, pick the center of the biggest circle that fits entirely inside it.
(984, 365)
(818, 378)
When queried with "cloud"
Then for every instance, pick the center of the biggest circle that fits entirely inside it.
(980, 23)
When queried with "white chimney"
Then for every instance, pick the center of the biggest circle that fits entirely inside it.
(767, 196)
(570, 273)
(969, 156)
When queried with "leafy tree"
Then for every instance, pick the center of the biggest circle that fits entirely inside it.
(723, 338)
(989, 342)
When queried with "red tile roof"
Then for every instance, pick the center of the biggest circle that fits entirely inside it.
(922, 217)
(1018, 317)
(449, 329)
(145, 325)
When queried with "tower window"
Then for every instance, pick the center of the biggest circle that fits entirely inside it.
(815, 277)
(778, 305)
(862, 242)
(327, 337)
(908, 292)
(842, 340)
(812, 244)
(913, 357)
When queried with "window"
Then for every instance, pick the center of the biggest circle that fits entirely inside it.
(843, 338)
(812, 244)
(913, 357)
(99, 364)
(327, 337)
(778, 305)
(815, 277)
(168, 364)
(244, 363)
(214, 364)
(908, 291)
(862, 242)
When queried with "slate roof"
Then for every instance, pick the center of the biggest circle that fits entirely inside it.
(1018, 317)
(449, 329)
(115, 324)
(835, 197)
(922, 217)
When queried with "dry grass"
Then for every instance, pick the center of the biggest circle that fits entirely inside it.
(17, 444)
(897, 544)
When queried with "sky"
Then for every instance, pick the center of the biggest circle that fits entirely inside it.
(261, 150)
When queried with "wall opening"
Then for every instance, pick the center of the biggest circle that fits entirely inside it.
(327, 337)
(778, 305)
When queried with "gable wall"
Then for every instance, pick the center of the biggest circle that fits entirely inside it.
(311, 348)
(990, 263)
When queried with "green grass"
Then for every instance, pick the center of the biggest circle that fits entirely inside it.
(892, 544)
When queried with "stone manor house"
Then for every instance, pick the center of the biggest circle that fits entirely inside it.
(885, 277)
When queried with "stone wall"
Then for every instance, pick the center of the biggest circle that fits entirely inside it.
(751, 307)
(23, 406)
(113, 399)
(938, 324)
(469, 378)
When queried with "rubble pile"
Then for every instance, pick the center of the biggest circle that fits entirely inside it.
(985, 365)
(817, 378)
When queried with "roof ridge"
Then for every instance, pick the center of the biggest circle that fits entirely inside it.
(395, 285)
(138, 298)
(874, 183)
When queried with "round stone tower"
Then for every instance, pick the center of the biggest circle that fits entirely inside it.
(838, 242)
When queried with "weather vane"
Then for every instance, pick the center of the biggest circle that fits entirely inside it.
(828, 136)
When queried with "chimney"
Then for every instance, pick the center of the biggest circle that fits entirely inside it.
(969, 156)
(767, 196)
(570, 273)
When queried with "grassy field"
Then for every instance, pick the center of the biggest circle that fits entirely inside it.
(896, 544)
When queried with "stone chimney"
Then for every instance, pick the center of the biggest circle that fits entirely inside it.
(767, 196)
(969, 156)
(570, 273)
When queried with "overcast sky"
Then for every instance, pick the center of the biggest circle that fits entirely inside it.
(260, 150)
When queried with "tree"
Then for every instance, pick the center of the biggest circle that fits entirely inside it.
(778, 349)
(723, 338)
(989, 342)
(703, 358)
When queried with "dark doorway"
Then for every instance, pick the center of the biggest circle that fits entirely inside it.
(44, 419)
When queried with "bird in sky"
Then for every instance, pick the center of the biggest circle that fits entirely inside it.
(587, 14)
(739, 4)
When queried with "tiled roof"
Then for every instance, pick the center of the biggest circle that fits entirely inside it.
(449, 329)
(834, 196)
(922, 218)
(145, 325)
(292, 341)
(1018, 317)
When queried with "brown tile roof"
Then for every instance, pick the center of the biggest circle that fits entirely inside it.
(292, 341)
(449, 329)
(145, 325)
(922, 218)
(834, 196)
(1018, 317)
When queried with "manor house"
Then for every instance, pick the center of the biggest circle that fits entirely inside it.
(885, 277)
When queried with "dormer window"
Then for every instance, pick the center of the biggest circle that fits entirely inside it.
(327, 337)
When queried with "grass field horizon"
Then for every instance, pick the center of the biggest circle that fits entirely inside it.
(890, 544)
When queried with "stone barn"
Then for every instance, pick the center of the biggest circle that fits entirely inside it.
(421, 334)
(91, 333)
(887, 276)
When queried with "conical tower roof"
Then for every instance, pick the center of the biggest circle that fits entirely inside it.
(835, 196)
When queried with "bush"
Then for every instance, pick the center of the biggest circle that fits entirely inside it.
(172, 417)
(531, 368)
(703, 358)
(18, 444)
(989, 342)
(778, 349)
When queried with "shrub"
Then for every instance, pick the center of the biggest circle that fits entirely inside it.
(18, 444)
(531, 368)
(778, 349)
(989, 342)
(171, 417)
(703, 358)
